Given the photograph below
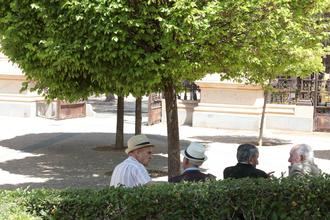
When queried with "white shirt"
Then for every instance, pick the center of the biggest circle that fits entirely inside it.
(129, 173)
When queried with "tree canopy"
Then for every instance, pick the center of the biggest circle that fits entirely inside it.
(270, 38)
(132, 46)
(72, 49)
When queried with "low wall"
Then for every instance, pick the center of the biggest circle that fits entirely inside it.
(226, 116)
(243, 117)
(281, 117)
(12, 101)
(232, 105)
(15, 103)
(289, 117)
(17, 106)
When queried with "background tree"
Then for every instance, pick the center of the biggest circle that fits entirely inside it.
(138, 115)
(269, 39)
(120, 123)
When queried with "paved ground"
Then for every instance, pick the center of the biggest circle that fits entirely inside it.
(39, 152)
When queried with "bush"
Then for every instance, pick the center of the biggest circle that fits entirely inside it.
(301, 198)
(12, 208)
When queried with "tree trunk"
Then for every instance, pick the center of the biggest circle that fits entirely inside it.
(172, 131)
(261, 129)
(138, 115)
(120, 123)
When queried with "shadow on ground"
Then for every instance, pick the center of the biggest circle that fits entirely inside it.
(81, 160)
(70, 159)
(101, 106)
(322, 154)
(230, 139)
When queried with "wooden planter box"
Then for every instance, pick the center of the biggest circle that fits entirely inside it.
(154, 109)
(322, 122)
(61, 110)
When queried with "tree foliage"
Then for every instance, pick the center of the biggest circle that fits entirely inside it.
(132, 46)
(72, 49)
(269, 38)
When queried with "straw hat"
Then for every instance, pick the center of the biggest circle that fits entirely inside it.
(195, 152)
(137, 142)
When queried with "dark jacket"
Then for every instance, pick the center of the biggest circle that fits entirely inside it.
(242, 170)
(191, 176)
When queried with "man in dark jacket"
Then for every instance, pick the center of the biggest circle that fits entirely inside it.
(247, 157)
(194, 156)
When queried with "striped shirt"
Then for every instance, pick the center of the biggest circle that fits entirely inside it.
(129, 173)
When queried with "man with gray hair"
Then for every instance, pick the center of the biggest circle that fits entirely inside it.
(302, 161)
(247, 157)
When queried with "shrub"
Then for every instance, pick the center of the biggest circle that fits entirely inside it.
(12, 208)
(301, 198)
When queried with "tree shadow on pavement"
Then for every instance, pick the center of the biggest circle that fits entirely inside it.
(238, 139)
(64, 160)
(322, 154)
(101, 106)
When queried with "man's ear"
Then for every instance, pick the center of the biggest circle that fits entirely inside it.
(185, 163)
(302, 158)
(133, 153)
(251, 159)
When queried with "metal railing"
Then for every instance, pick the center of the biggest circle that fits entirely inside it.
(297, 90)
(191, 91)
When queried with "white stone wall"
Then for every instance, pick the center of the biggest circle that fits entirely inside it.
(230, 105)
(7, 67)
(12, 101)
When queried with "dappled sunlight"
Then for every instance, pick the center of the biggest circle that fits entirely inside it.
(161, 155)
(8, 154)
(160, 179)
(14, 179)
(323, 164)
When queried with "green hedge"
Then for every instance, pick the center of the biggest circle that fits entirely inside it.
(12, 208)
(301, 198)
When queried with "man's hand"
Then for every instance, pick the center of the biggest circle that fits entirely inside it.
(270, 174)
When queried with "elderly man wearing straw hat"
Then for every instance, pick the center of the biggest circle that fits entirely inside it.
(132, 172)
(193, 157)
